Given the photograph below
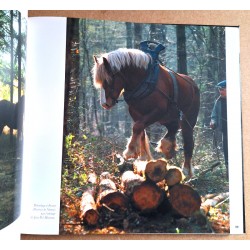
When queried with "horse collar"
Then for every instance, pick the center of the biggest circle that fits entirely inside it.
(146, 87)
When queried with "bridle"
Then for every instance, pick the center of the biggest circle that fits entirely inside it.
(111, 85)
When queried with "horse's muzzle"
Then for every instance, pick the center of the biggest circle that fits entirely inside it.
(106, 106)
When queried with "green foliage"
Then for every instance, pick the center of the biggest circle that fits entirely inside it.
(5, 53)
(68, 141)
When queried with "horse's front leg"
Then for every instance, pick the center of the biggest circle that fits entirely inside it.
(133, 147)
(145, 154)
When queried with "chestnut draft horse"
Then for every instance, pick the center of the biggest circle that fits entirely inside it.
(124, 71)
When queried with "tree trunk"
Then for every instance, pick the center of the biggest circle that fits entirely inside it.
(212, 65)
(181, 49)
(19, 53)
(137, 34)
(88, 207)
(184, 200)
(83, 79)
(11, 65)
(221, 54)
(129, 35)
(72, 77)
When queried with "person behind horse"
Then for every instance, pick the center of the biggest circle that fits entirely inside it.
(219, 117)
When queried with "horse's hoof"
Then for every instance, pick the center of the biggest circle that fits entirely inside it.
(127, 154)
(188, 172)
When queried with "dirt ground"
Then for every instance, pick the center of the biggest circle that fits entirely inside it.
(10, 181)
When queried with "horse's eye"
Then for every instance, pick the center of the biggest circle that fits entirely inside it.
(107, 83)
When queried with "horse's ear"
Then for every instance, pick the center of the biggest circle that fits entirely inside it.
(95, 59)
(107, 65)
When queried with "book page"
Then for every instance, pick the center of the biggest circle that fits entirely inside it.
(43, 127)
(98, 127)
(235, 131)
(13, 29)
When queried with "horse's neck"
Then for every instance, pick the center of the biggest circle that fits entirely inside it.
(133, 77)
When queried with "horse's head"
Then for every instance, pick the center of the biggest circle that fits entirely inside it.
(118, 70)
(109, 81)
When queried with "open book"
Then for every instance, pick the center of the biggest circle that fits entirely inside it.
(74, 140)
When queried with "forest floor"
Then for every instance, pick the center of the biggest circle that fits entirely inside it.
(90, 154)
(10, 182)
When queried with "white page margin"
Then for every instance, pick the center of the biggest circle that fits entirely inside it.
(234, 130)
(43, 125)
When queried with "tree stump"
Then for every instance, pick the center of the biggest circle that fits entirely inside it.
(88, 207)
(184, 199)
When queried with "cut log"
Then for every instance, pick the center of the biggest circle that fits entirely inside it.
(122, 164)
(110, 197)
(145, 196)
(88, 207)
(156, 170)
(174, 176)
(129, 181)
(139, 167)
(213, 201)
(165, 206)
(184, 200)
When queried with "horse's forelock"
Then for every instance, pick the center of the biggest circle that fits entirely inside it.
(100, 74)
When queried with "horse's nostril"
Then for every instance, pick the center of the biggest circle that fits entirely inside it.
(106, 106)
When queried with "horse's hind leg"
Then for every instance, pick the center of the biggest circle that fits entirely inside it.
(188, 145)
(132, 150)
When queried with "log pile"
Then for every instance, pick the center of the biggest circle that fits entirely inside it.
(151, 187)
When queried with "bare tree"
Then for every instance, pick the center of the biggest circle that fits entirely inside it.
(181, 49)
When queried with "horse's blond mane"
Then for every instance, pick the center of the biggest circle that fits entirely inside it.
(118, 59)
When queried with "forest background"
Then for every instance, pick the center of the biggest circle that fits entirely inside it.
(12, 87)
